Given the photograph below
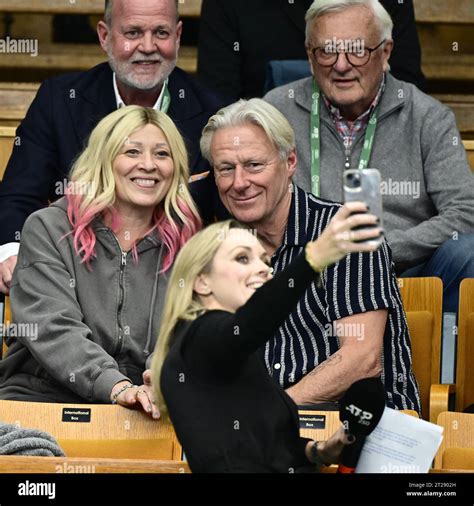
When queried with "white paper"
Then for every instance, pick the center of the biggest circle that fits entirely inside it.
(400, 444)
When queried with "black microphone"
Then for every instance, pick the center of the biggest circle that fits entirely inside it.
(361, 408)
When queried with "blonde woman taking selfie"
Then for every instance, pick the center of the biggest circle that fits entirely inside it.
(222, 305)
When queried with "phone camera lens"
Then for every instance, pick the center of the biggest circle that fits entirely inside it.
(353, 180)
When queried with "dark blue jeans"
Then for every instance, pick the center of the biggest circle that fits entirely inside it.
(452, 262)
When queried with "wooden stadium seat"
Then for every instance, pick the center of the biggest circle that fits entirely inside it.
(458, 433)
(325, 423)
(440, 11)
(423, 302)
(28, 465)
(187, 8)
(6, 319)
(7, 138)
(465, 347)
(469, 145)
(111, 431)
(328, 421)
(15, 99)
(76, 57)
(458, 458)
(463, 108)
(440, 61)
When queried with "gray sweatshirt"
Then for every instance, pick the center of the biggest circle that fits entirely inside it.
(79, 331)
(427, 185)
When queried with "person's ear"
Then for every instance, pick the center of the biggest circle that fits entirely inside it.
(310, 60)
(291, 163)
(201, 285)
(179, 31)
(103, 33)
(387, 51)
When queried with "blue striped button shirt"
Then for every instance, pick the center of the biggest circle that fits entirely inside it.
(360, 282)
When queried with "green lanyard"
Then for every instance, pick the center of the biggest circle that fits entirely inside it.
(165, 103)
(315, 140)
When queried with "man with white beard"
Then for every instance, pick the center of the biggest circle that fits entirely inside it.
(142, 40)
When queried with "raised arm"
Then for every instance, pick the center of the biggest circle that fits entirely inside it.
(359, 356)
(226, 339)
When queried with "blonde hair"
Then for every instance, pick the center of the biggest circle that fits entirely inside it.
(321, 7)
(176, 219)
(182, 302)
(255, 112)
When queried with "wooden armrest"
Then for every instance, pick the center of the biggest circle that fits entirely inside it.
(439, 400)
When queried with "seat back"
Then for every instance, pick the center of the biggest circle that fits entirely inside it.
(465, 348)
(7, 138)
(320, 425)
(97, 430)
(458, 433)
(423, 302)
(5, 320)
(281, 72)
(458, 459)
(469, 146)
(420, 324)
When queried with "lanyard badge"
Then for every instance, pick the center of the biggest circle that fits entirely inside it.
(315, 139)
(165, 103)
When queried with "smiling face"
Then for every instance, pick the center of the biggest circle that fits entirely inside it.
(142, 42)
(351, 89)
(239, 268)
(143, 171)
(259, 198)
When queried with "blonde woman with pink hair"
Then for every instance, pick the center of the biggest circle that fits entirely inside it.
(89, 286)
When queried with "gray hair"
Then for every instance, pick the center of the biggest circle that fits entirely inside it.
(320, 7)
(255, 112)
(108, 12)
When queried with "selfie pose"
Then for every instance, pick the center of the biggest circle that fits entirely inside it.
(350, 327)
(223, 304)
(91, 273)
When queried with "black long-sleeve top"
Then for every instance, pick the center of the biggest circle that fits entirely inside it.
(228, 413)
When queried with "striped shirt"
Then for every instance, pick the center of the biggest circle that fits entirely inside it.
(360, 282)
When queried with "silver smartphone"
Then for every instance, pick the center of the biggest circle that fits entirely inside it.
(364, 186)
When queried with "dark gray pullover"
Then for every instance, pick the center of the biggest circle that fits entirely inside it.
(79, 330)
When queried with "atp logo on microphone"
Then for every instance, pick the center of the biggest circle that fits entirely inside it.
(364, 416)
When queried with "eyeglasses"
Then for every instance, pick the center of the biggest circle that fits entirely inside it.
(251, 167)
(328, 56)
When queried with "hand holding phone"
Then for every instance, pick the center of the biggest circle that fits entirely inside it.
(364, 186)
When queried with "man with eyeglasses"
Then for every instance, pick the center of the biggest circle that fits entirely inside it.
(352, 113)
